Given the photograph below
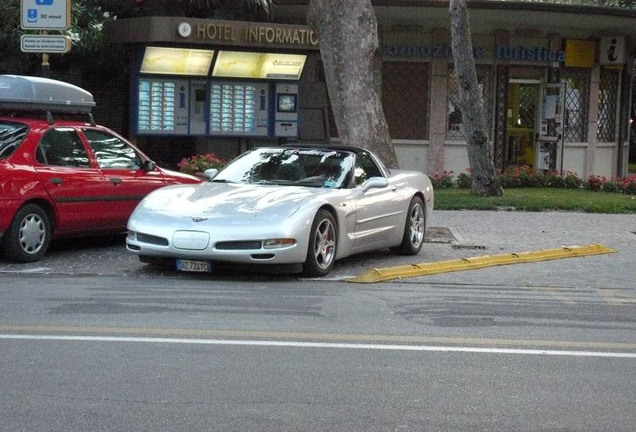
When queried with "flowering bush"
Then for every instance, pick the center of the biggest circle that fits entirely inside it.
(443, 180)
(595, 182)
(524, 176)
(629, 185)
(201, 162)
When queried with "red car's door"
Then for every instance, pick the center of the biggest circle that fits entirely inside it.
(121, 166)
(76, 186)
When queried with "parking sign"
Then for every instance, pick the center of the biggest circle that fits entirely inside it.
(46, 14)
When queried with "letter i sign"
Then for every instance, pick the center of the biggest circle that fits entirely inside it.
(612, 50)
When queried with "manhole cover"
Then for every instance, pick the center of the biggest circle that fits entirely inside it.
(439, 235)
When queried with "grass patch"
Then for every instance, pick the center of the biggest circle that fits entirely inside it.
(538, 199)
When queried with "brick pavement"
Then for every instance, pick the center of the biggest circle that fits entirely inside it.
(455, 234)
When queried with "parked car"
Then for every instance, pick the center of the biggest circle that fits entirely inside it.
(64, 177)
(284, 205)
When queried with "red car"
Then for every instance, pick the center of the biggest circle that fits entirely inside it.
(64, 177)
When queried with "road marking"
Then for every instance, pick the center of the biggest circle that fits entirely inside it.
(33, 270)
(293, 344)
(613, 298)
(552, 292)
(180, 333)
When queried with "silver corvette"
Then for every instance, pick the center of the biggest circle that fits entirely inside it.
(296, 204)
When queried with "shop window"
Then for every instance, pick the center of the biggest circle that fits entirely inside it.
(405, 98)
(454, 126)
(607, 101)
(576, 96)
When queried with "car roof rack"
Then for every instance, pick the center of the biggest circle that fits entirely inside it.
(36, 94)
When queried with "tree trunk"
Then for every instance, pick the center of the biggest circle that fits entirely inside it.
(484, 178)
(348, 38)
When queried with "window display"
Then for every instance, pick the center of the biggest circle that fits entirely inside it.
(232, 109)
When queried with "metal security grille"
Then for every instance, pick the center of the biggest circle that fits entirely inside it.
(405, 98)
(454, 126)
(607, 101)
(527, 106)
(501, 117)
(577, 87)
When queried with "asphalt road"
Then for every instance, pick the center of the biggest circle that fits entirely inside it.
(92, 340)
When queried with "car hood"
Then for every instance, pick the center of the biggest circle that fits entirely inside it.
(173, 177)
(227, 200)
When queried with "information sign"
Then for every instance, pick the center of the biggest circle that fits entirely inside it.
(45, 14)
(45, 43)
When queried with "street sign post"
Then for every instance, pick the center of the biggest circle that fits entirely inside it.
(45, 14)
(45, 44)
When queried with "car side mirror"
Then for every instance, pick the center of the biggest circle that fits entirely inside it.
(210, 173)
(375, 183)
(148, 165)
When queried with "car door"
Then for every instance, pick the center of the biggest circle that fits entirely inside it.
(121, 166)
(378, 210)
(73, 182)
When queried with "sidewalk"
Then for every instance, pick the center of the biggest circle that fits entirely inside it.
(454, 234)
(480, 233)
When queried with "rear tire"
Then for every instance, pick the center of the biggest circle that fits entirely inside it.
(414, 229)
(29, 235)
(321, 252)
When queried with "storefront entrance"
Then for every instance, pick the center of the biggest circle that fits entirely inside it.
(523, 98)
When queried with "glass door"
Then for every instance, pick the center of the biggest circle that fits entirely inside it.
(523, 96)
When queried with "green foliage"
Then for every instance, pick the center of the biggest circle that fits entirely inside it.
(525, 177)
(443, 180)
(88, 17)
(538, 199)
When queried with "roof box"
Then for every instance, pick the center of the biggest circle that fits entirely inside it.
(27, 93)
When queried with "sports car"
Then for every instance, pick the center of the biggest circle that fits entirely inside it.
(303, 204)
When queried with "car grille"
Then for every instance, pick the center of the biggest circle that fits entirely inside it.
(238, 245)
(147, 238)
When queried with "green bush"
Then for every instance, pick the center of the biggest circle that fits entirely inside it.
(443, 180)
(525, 177)
(463, 180)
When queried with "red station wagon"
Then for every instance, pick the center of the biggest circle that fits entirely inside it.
(64, 177)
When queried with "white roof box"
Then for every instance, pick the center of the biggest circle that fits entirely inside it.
(27, 93)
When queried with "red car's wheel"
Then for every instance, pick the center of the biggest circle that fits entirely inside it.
(28, 237)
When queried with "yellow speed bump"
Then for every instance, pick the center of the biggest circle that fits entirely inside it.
(414, 270)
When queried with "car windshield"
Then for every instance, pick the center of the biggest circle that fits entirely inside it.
(11, 135)
(290, 166)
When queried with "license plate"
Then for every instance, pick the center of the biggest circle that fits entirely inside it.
(194, 266)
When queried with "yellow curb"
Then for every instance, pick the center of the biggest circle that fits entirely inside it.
(414, 270)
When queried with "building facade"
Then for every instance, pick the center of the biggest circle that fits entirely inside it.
(557, 84)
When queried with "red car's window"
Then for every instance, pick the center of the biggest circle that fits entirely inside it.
(62, 147)
(111, 151)
(11, 135)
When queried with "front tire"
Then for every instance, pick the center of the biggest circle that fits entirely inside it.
(414, 229)
(321, 253)
(29, 235)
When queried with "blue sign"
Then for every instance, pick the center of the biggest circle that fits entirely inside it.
(44, 2)
(32, 15)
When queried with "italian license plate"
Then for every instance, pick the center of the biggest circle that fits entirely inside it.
(194, 266)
